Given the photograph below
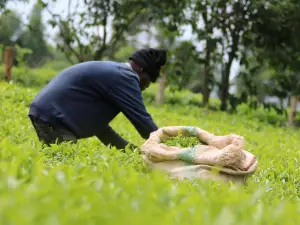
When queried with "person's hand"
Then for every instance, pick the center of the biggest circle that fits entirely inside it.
(223, 141)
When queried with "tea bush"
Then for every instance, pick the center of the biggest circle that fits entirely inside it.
(88, 183)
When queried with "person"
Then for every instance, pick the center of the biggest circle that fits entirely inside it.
(83, 99)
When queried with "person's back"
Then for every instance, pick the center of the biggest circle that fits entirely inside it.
(79, 96)
(85, 97)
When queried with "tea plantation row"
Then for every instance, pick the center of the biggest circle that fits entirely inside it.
(88, 183)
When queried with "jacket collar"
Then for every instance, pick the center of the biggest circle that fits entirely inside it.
(129, 66)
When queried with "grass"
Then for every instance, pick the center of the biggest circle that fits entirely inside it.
(88, 183)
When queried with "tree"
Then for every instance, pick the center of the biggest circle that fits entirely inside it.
(255, 82)
(3, 4)
(220, 25)
(277, 43)
(104, 24)
(33, 38)
(9, 26)
(167, 40)
(181, 64)
(164, 30)
(234, 22)
(202, 18)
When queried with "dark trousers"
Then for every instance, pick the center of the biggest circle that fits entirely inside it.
(49, 134)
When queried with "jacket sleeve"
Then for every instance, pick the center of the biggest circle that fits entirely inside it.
(109, 137)
(126, 95)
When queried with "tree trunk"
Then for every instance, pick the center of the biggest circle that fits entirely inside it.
(292, 116)
(206, 91)
(8, 62)
(3, 52)
(226, 74)
(207, 70)
(161, 89)
(225, 86)
(281, 103)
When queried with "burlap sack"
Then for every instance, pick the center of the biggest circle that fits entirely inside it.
(220, 158)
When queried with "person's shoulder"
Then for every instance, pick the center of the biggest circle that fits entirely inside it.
(120, 69)
(116, 68)
(110, 65)
(100, 69)
(102, 64)
(127, 72)
(119, 73)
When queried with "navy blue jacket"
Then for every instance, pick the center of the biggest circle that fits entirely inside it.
(87, 96)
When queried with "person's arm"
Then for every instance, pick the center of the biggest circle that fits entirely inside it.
(127, 96)
(109, 137)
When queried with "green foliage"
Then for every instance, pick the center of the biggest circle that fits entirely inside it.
(181, 98)
(59, 61)
(260, 114)
(20, 57)
(108, 25)
(33, 38)
(31, 78)
(9, 26)
(124, 52)
(227, 31)
(260, 81)
(279, 40)
(182, 66)
(274, 41)
(93, 16)
(89, 183)
(182, 142)
(3, 4)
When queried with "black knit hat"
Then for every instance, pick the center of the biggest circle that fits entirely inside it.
(150, 60)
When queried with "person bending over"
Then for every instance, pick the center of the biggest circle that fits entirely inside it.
(83, 99)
